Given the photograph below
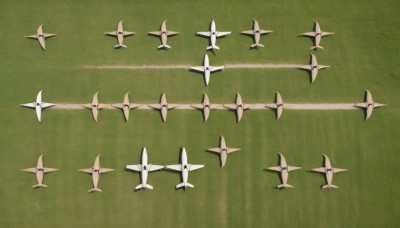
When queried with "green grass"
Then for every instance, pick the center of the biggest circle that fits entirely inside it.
(363, 53)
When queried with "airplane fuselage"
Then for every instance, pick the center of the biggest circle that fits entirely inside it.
(213, 33)
(145, 168)
(95, 176)
(185, 168)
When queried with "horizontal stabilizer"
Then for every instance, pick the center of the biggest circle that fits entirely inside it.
(184, 185)
(329, 186)
(120, 45)
(164, 46)
(284, 186)
(140, 186)
(95, 190)
(315, 47)
(256, 45)
(39, 186)
(212, 47)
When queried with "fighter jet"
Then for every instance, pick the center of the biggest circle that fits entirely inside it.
(278, 105)
(164, 33)
(369, 104)
(328, 170)
(95, 106)
(163, 106)
(184, 167)
(256, 33)
(239, 106)
(126, 106)
(144, 170)
(313, 67)
(120, 34)
(284, 170)
(39, 105)
(39, 170)
(207, 69)
(213, 34)
(41, 36)
(95, 171)
(317, 34)
(222, 150)
(205, 106)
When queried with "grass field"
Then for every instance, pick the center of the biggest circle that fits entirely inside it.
(363, 53)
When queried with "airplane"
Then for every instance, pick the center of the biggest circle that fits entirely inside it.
(126, 106)
(205, 106)
(184, 167)
(278, 105)
(39, 105)
(96, 171)
(328, 170)
(213, 34)
(239, 106)
(207, 69)
(95, 106)
(256, 33)
(164, 33)
(163, 106)
(313, 67)
(284, 170)
(369, 104)
(317, 34)
(41, 36)
(120, 34)
(223, 150)
(40, 171)
(144, 169)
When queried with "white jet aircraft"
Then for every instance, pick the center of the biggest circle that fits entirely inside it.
(328, 170)
(213, 34)
(317, 34)
(41, 37)
(120, 34)
(38, 105)
(207, 69)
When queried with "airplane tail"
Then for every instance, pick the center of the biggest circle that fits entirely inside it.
(315, 47)
(184, 185)
(329, 186)
(140, 186)
(212, 47)
(39, 186)
(284, 186)
(256, 45)
(95, 190)
(164, 46)
(120, 45)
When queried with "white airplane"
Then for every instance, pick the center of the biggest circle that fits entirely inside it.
(328, 170)
(96, 171)
(278, 105)
(120, 34)
(369, 104)
(184, 167)
(41, 36)
(313, 67)
(144, 169)
(164, 33)
(213, 34)
(126, 106)
(284, 170)
(256, 33)
(317, 34)
(207, 69)
(39, 105)
(40, 171)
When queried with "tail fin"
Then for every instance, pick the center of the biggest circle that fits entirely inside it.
(284, 186)
(315, 47)
(120, 45)
(183, 185)
(95, 190)
(256, 45)
(212, 47)
(163, 46)
(39, 186)
(140, 186)
(329, 186)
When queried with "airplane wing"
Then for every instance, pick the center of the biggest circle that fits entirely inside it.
(309, 34)
(275, 168)
(326, 33)
(155, 33)
(101, 106)
(174, 167)
(203, 33)
(88, 170)
(128, 33)
(305, 67)
(88, 106)
(338, 170)
(230, 106)
(219, 34)
(31, 170)
(105, 170)
(194, 167)
(31, 36)
(322, 66)
(47, 105)
(111, 33)
(273, 106)
(49, 170)
(319, 170)
(198, 106)
(215, 68)
(231, 150)
(265, 31)
(28, 105)
(156, 167)
(134, 167)
(291, 168)
(155, 106)
(248, 32)
(118, 105)
(47, 35)
(215, 150)
(172, 33)
(200, 68)
(172, 106)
